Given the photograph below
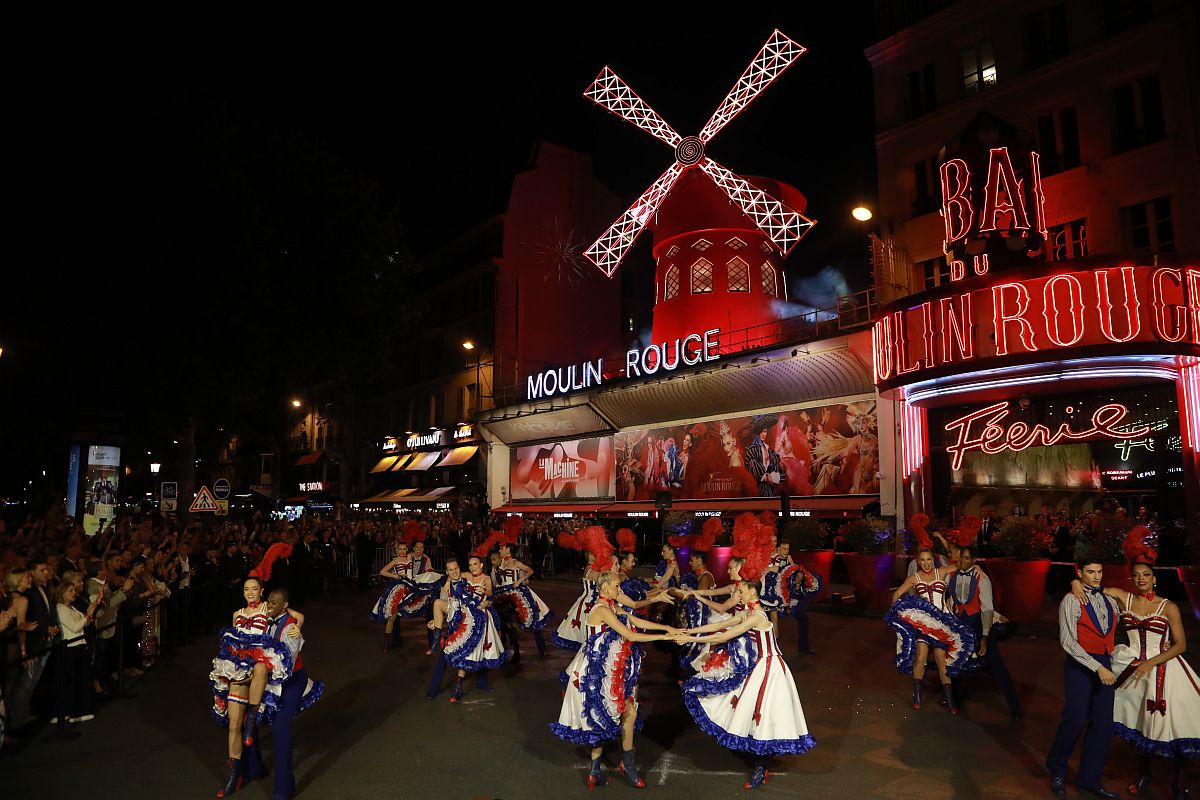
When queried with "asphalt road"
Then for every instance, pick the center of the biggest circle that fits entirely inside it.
(374, 735)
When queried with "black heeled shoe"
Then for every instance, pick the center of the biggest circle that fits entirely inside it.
(234, 781)
(629, 770)
(948, 692)
(250, 726)
(917, 694)
(1139, 785)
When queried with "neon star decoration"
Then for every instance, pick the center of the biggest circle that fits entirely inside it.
(781, 224)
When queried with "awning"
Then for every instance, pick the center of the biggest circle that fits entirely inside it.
(429, 494)
(385, 463)
(641, 508)
(576, 509)
(401, 461)
(838, 506)
(423, 461)
(459, 455)
(389, 496)
(311, 458)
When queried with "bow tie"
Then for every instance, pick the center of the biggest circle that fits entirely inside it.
(1094, 589)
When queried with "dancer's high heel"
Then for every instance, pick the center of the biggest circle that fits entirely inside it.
(234, 781)
(598, 776)
(629, 770)
(250, 725)
(1138, 786)
(916, 694)
(948, 692)
(757, 778)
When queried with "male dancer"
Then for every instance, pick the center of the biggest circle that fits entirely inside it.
(298, 692)
(972, 593)
(1086, 632)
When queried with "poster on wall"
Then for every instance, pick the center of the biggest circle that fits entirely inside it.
(100, 484)
(579, 468)
(73, 481)
(819, 450)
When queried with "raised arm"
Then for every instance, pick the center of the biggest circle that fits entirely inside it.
(721, 636)
(909, 582)
(525, 570)
(386, 572)
(601, 613)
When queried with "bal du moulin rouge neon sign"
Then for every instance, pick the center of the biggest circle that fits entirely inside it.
(984, 430)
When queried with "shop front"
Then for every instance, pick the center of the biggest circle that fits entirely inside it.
(426, 471)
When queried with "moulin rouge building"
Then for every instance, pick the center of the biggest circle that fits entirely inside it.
(1039, 333)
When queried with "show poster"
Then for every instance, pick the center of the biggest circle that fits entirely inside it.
(73, 481)
(579, 468)
(821, 450)
(101, 482)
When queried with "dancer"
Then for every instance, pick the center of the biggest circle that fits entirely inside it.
(247, 662)
(632, 587)
(471, 642)
(1156, 707)
(413, 587)
(519, 606)
(971, 592)
(571, 632)
(283, 702)
(693, 613)
(745, 697)
(600, 698)
(786, 589)
(923, 626)
(1087, 633)
(398, 571)
(666, 572)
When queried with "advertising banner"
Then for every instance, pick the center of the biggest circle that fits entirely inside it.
(73, 481)
(101, 484)
(821, 450)
(579, 468)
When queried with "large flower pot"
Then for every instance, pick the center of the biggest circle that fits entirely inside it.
(1189, 576)
(1117, 575)
(871, 577)
(819, 563)
(718, 564)
(1019, 586)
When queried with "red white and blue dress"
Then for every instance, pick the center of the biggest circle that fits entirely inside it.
(1160, 713)
(239, 649)
(923, 617)
(600, 682)
(572, 631)
(471, 641)
(411, 594)
(527, 609)
(744, 696)
(273, 696)
(660, 569)
(787, 587)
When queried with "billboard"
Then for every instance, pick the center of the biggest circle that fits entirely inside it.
(100, 485)
(578, 468)
(819, 450)
(73, 481)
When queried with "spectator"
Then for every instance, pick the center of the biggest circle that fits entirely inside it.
(71, 695)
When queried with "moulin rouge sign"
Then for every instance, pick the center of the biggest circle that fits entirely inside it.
(981, 318)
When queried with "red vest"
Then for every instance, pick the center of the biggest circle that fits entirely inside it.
(1091, 639)
(279, 634)
(972, 606)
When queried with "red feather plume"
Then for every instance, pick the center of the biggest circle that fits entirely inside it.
(627, 540)
(595, 541)
(512, 528)
(1136, 549)
(494, 539)
(762, 546)
(918, 524)
(967, 531)
(275, 551)
(569, 540)
(713, 528)
(413, 532)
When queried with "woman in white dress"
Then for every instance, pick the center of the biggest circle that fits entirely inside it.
(1156, 707)
(572, 631)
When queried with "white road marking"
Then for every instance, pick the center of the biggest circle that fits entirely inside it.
(666, 766)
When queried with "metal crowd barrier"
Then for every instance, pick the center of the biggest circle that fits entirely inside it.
(437, 553)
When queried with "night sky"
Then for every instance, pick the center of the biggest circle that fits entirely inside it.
(111, 126)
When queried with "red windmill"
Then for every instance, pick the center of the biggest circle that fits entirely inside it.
(708, 235)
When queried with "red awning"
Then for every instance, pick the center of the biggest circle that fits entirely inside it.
(840, 506)
(636, 507)
(311, 458)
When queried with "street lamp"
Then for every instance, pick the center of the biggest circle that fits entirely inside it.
(154, 468)
(295, 404)
(861, 213)
(468, 345)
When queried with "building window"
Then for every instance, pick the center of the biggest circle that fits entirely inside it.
(1068, 240)
(1148, 226)
(671, 283)
(926, 187)
(922, 93)
(702, 276)
(766, 247)
(770, 284)
(1058, 141)
(1137, 114)
(979, 68)
(1045, 35)
(738, 272)
(472, 402)
(934, 272)
(735, 244)
(674, 251)
(1121, 15)
(701, 245)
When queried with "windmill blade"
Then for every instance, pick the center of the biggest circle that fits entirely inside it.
(610, 92)
(607, 251)
(784, 226)
(775, 56)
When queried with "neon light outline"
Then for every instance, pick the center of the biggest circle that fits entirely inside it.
(1000, 320)
(1039, 195)
(958, 325)
(1133, 320)
(1160, 305)
(1051, 313)
(1014, 192)
(955, 202)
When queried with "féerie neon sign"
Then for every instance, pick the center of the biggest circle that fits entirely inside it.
(983, 430)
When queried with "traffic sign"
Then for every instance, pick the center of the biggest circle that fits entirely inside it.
(204, 501)
(169, 490)
(221, 489)
(169, 505)
(222, 508)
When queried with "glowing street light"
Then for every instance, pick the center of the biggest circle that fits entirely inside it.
(154, 468)
(861, 213)
(468, 345)
(295, 404)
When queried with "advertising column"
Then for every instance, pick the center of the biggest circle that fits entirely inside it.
(101, 485)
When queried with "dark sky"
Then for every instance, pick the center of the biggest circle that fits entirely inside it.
(440, 112)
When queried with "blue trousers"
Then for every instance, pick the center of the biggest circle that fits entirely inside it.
(281, 732)
(995, 665)
(1089, 706)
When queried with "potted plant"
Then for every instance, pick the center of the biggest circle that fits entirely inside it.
(1019, 578)
(862, 542)
(1107, 535)
(810, 541)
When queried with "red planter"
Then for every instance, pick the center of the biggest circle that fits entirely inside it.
(1019, 586)
(871, 577)
(718, 564)
(1117, 576)
(820, 563)
(1190, 578)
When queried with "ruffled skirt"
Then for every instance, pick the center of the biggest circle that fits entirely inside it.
(523, 606)
(472, 639)
(1160, 718)
(273, 697)
(572, 631)
(237, 653)
(915, 620)
(601, 682)
(407, 598)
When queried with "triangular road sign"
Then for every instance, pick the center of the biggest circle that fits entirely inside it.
(204, 501)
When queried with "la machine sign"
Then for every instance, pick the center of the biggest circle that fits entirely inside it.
(687, 351)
